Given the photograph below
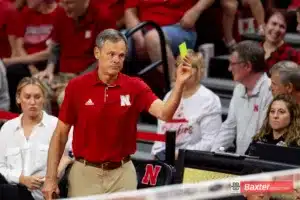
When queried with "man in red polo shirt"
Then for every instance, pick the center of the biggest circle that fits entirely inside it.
(104, 107)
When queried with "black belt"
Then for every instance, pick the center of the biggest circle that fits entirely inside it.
(105, 165)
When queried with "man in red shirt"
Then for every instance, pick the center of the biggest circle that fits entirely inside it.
(75, 29)
(33, 38)
(104, 107)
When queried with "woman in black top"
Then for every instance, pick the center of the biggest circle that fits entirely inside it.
(282, 123)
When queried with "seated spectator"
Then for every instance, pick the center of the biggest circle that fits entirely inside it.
(177, 20)
(281, 125)
(24, 144)
(74, 35)
(250, 99)
(8, 23)
(33, 41)
(275, 48)
(285, 76)
(229, 16)
(198, 117)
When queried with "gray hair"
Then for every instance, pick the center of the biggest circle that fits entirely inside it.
(110, 35)
(294, 79)
(250, 51)
(283, 66)
(289, 72)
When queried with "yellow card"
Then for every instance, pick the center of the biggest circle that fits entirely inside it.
(183, 49)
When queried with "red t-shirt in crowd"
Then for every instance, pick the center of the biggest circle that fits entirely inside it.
(8, 23)
(104, 117)
(77, 38)
(162, 12)
(37, 29)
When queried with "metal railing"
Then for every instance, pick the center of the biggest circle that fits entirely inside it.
(164, 60)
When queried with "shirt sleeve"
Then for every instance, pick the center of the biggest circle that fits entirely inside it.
(227, 131)
(67, 112)
(145, 96)
(12, 176)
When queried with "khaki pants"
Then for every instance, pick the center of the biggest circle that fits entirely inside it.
(86, 180)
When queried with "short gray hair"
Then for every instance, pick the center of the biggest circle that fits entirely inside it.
(110, 35)
(289, 72)
(294, 79)
(283, 66)
(250, 51)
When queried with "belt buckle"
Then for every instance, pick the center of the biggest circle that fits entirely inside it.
(103, 165)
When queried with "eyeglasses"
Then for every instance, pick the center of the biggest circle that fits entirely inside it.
(236, 63)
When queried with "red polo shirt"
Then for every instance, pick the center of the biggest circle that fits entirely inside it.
(77, 38)
(104, 117)
(161, 12)
(37, 29)
(8, 24)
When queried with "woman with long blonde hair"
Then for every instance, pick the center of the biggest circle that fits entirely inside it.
(198, 117)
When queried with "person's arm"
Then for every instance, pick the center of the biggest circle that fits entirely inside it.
(227, 132)
(12, 176)
(56, 149)
(63, 164)
(191, 16)
(28, 59)
(13, 45)
(165, 110)
(67, 117)
(131, 17)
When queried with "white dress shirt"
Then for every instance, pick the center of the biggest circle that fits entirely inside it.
(196, 121)
(19, 154)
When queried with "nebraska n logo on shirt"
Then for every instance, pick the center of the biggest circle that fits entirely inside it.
(125, 100)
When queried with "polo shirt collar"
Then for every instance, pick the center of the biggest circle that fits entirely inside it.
(256, 89)
(95, 79)
(45, 119)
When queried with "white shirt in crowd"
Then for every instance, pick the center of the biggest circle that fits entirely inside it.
(197, 121)
(245, 117)
(19, 154)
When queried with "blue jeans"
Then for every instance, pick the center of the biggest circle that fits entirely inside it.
(175, 36)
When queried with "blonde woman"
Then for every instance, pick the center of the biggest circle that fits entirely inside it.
(198, 117)
(24, 144)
